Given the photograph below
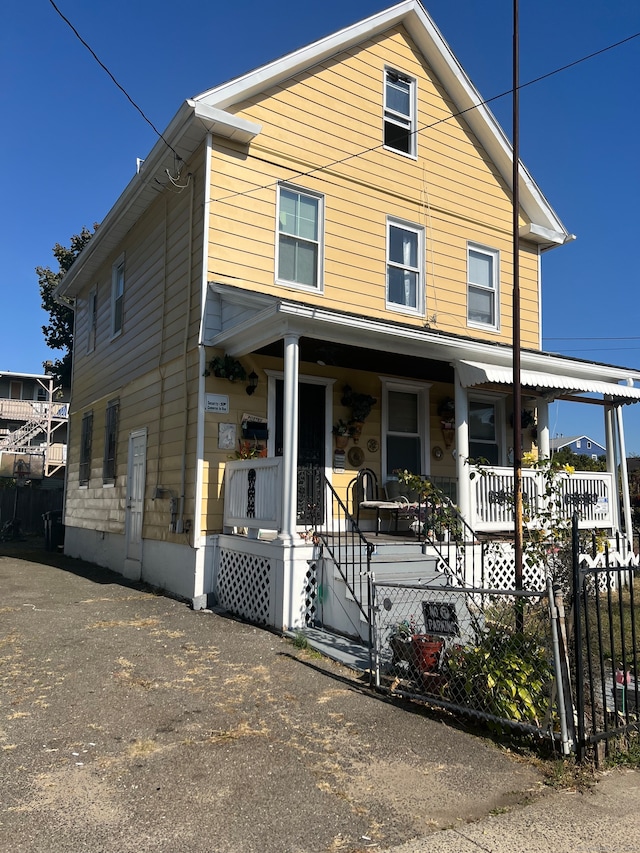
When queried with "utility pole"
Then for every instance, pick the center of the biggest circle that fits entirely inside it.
(517, 390)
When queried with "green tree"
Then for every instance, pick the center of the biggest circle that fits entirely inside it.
(579, 461)
(58, 333)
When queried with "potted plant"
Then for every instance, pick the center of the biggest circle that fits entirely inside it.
(400, 642)
(226, 367)
(342, 432)
(447, 413)
(360, 405)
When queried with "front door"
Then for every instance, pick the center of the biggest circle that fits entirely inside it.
(311, 447)
(136, 477)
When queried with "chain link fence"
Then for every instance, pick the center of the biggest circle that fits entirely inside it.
(480, 652)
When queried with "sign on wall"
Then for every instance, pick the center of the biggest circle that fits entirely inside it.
(217, 403)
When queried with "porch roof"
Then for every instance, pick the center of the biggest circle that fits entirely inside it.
(473, 373)
(241, 322)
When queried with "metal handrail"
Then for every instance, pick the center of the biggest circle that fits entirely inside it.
(350, 551)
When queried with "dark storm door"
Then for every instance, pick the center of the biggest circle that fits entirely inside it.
(311, 449)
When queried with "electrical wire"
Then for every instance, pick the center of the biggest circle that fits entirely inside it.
(350, 156)
(483, 103)
(122, 89)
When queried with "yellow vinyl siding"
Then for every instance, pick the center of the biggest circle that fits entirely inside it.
(452, 190)
(144, 367)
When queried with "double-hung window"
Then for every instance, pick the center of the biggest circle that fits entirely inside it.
(404, 426)
(117, 296)
(399, 112)
(92, 318)
(482, 287)
(86, 437)
(299, 249)
(485, 418)
(110, 442)
(405, 266)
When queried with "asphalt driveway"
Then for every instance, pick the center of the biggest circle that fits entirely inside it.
(129, 722)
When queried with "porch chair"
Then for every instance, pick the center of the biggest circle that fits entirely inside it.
(366, 495)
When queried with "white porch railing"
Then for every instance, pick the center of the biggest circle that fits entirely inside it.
(589, 493)
(253, 493)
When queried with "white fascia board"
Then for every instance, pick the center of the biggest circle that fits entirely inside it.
(256, 81)
(135, 198)
(544, 237)
(220, 123)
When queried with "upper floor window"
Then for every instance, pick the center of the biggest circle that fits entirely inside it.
(482, 287)
(110, 441)
(405, 266)
(117, 296)
(92, 311)
(399, 112)
(299, 249)
(86, 438)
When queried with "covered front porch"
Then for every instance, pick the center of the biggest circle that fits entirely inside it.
(441, 403)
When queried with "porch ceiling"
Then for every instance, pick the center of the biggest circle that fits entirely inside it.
(361, 358)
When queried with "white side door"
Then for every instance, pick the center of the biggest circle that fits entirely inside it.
(136, 478)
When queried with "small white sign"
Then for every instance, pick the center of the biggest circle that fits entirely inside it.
(217, 403)
(602, 505)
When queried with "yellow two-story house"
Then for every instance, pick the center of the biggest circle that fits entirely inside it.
(333, 228)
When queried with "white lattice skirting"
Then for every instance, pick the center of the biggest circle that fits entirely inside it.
(244, 585)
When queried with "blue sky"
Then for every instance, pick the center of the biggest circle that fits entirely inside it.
(72, 138)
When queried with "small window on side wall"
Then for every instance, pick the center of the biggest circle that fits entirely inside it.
(86, 438)
(399, 112)
(482, 287)
(117, 296)
(92, 318)
(110, 441)
(300, 236)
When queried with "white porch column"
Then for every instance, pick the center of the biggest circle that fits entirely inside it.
(624, 477)
(544, 443)
(290, 437)
(462, 449)
(610, 444)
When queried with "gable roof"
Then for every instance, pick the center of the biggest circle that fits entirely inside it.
(565, 440)
(207, 113)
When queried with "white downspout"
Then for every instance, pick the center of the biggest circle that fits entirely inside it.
(185, 369)
(290, 437)
(201, 586)
(626, 502)
(462, 449)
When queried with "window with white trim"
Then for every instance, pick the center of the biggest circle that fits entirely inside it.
(405, 266)
(482, 287)
(117, 296)
(86, 436)
(110, 441)
(399, 112)
(405, 407)
(92, 312)
(485, 419)
(300, 235)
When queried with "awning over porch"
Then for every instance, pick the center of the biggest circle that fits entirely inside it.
(477, 373)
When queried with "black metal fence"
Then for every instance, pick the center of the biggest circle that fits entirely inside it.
(606, 633)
